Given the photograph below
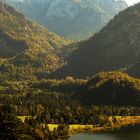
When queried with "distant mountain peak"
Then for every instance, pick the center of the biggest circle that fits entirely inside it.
(76, 19)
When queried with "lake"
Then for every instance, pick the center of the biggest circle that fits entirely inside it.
(128, 133)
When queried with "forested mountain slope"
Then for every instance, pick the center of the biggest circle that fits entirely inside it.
(116, 46)
(26, 47)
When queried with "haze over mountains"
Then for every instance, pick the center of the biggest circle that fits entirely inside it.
(76, 19)
(30, 54)
(115, 47)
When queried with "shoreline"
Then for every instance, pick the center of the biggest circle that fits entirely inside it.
(78, 128)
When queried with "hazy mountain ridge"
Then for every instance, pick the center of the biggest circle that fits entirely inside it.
(77, 19)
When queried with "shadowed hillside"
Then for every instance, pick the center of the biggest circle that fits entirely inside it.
(116, 46)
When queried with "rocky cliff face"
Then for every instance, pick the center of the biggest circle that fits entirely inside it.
(77, 19)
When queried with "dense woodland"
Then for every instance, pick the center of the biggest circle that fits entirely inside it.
(67, 101)
(29, 53)
(54, 98)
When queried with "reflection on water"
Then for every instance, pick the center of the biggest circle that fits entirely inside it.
(85, 136)
(128, 133)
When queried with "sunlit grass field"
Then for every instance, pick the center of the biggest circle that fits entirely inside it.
(77, 127)
(22, 118)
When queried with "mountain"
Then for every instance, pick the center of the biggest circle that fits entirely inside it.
(111, 88)
(134, 69)
(115, 47)
(76, 19)
(26, 48)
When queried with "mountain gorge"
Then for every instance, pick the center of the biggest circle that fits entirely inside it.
(115, 47)
(76, 19)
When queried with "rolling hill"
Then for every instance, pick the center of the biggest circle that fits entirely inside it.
(111, 88)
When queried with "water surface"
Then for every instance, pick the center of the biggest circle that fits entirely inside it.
(129, 133)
